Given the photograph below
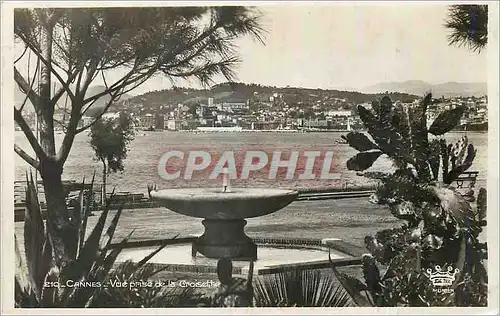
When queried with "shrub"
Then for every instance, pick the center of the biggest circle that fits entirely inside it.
(441, 227)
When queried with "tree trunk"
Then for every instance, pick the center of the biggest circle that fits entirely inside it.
(64, 238)
(63, 232)
(104, 175)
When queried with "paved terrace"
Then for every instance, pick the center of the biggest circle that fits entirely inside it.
(348, 219)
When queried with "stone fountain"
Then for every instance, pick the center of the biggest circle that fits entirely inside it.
(224, 212)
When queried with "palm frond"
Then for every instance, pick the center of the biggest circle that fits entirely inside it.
(304, 288)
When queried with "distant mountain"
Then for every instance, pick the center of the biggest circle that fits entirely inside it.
(418, 87)
(93, 90)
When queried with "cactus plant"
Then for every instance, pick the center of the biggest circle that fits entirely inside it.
(441, 226)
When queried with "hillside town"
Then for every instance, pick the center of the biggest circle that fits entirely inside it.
(270, 111)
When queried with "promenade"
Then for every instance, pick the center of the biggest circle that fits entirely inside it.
(348, 219)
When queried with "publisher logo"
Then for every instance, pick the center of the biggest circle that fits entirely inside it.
(442, 279)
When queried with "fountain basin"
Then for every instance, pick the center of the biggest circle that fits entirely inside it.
(276, 255)
(239, 203)
(224, 216)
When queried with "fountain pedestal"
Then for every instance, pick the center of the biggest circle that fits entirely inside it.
(225, 238)
(224, 216)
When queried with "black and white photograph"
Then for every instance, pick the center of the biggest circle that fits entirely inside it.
(249, 157)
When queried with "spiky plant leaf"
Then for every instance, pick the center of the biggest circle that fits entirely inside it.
(49, 296)
(435, 158)
(305, 288)
(21, 272)
(419, 143)
(363, 160)
(108, 236)
(446, 121)
(34, 237)
(384, 136)
(445, 157)
(359, 141)
(401, 122)
(151, 255)
(462, 145)
(459, 167)
(353, 286)
(84, 215)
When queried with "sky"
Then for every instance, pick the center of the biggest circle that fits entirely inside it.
(350, 46)
(354, 46)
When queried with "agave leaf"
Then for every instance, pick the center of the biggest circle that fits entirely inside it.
(49, 296)
(99, 272)
(34, 237)
(21, 275)
(446, 121)
(85, 208)
(81, 218)
(106, 240)
(85, 297)
(90, 251)
(363, 160)
(151, 255)
(353, 286)
(359, 141)
(76, 219)
(77, 216)
(47, 262)
(24, 297)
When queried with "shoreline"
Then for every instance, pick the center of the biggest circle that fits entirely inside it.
(283, 131)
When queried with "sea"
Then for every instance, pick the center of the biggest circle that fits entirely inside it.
(141, 164)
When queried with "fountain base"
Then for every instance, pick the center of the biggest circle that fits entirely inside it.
(225, 238)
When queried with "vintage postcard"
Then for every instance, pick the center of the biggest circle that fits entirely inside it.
(249, 157)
